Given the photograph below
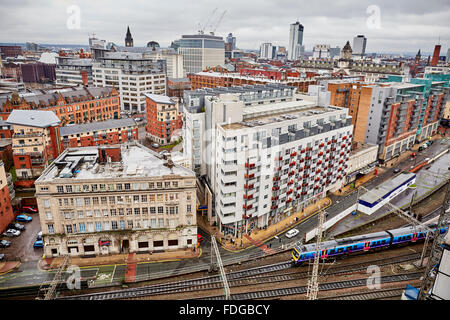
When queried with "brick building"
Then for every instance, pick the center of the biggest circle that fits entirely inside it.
(35, 142)
(163, 118)
(72, 105)
(214, 79)
(176, 86)
(38, 72)
(114, 131)
(6, 211)
(10, 51)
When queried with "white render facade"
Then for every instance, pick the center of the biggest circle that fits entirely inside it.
(268, 171)
(97, 207)
(174, 61)
(132, 76)
(262, 150)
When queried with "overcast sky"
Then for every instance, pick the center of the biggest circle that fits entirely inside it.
(402, 26)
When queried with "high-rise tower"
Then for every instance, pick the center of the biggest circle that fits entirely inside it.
(295, 40)
(128, 39)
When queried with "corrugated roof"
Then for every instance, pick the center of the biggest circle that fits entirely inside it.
(33, 118)
(97, 126)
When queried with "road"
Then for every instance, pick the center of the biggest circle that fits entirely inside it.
(28, 273)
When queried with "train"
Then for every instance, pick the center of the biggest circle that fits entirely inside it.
(362, 243)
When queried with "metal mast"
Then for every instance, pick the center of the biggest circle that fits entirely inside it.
(215, 252)
(436, 249)
(50, 291)
(313, 283)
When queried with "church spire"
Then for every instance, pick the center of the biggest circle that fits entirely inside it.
(128, 38)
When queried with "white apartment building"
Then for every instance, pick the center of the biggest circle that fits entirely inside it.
(115, 199)
(270, 154)
(174, 61)
(132, 75)
(359, 45)
(200, 51)
(266, 51)
(295, 41)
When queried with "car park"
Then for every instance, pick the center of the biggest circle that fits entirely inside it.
(5, 243)
(38, 244)
(29, 209)
(16, 226)
(292, 233)
(11, 233)
(24, 218)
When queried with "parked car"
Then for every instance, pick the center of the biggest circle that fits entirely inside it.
(2, 256)
(16, 226)
(24, 218)
(397, 170)
(292, 233)
(39, 236)
(38, 244)
(11, 233)
(155, 145)
(29, 209)
(429, 142)
(5, 243)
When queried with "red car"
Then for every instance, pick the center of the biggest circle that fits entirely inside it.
(29, 209)
(199, 238)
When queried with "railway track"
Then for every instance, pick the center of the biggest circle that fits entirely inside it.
(251, 276)
(274, 293)
(369, 295)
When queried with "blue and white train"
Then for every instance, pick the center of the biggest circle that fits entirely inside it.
(362, 243)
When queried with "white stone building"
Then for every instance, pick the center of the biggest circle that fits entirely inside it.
(115, 199)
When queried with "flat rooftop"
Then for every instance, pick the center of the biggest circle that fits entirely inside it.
(386, 187)
(260, 115)
(136, 161)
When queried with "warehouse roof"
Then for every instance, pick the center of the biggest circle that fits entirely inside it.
(33, 118)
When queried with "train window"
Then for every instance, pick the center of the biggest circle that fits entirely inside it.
(340, 250)
(383, 241)
(331, 251)
(355, 246)
(408, 237)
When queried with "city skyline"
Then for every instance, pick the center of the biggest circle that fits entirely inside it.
(403, 27)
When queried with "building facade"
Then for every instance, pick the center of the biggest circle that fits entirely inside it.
(6, 211)
(71, 106)
(109, 132)
(132, 75)
(109, 199)
(73, 71)
(34, 142)
(163, 118)
(174, 61)
(266, 51)
(359, 45)
(201, 51)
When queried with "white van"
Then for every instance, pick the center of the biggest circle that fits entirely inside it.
(292, 233)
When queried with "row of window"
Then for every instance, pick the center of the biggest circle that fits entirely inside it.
(116, 187)
(99, 226)
(80, 214)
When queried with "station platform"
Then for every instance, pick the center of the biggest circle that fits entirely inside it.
(257, 237)
(129, 259)
(348, 189)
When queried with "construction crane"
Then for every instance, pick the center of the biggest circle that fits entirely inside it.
(313, 283)
(215, 253)
(201, 29)
(216, 25)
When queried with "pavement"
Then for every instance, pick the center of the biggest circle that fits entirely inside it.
(257, 236)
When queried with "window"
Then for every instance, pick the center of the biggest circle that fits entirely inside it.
(188, 208)
(130, 224)
(46, 203)
(119, 187)
(105, 212)
(103, 200)
(144, 210)
(50, 228)
(161, 223)
(112, 212)
(80, 214)
(60, 189)
(136, 199)
(95, 200)
(106, 225)
(82, 227)
(144, 198)
(114, 225)
(160, 210)
(79, 202)
(48, 215)
(94, 187)
(98, 226)
(127, 186)
(87, 201)
(137, 211)
(68, 188)
(88, 213)
(69, 228)
(112, 200)
(152, 210)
